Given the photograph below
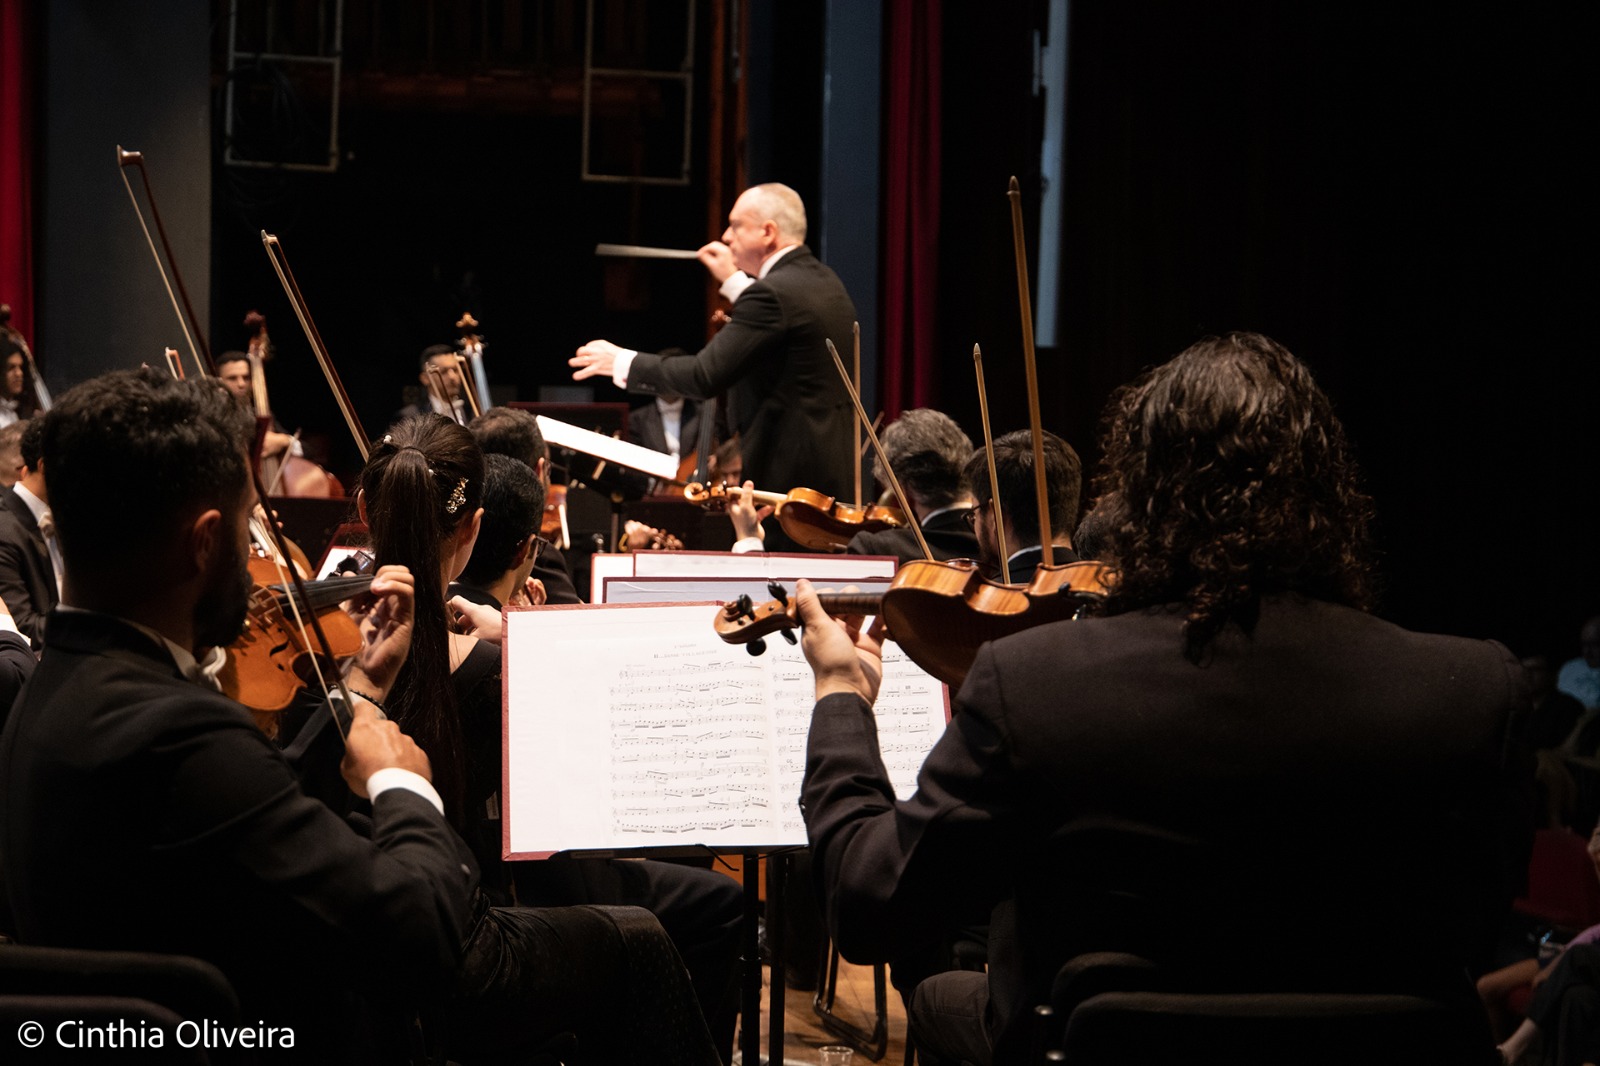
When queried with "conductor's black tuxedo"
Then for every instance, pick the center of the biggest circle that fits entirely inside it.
(1332, 803)
(785, 399)
(27, 580)
(140, 811)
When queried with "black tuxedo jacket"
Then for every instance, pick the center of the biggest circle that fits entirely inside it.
(645, 429)
(27, 580)
(948, 535)
(785, 399)
(141, 812)
(1328, 791)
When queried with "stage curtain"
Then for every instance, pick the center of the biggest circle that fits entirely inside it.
(911, 206)
(17, 49)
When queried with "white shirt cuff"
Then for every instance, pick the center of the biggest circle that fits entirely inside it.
(737, 282)
(619, 368)
(746, 545)
(394, 777)
(8, 624)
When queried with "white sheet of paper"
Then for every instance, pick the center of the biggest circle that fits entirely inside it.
(603, 565)
(763, 565)
(611, 449)
(659, 734)
(719, 589)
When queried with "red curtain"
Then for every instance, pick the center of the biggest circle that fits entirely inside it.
(16, 162)
(911, 206)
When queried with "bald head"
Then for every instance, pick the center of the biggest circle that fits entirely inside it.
(765, 219)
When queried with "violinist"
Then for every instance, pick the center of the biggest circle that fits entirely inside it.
(31, 562)
(440, 378)
(1237, 773)
(929, 454)
(1018, 510)
(11, 454)
(233, 370)
(422, 493)
(122, 757)
(784, 398)
(498, 572)
(16, 401)
(512, 432)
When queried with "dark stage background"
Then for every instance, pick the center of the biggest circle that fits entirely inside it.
(1395, 192)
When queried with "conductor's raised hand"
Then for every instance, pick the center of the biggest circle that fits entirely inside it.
(843, 658)
(718, 258)
(595, 359)
(385, 631)
(375, 743)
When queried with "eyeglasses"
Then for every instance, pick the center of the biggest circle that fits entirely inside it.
(971, 515)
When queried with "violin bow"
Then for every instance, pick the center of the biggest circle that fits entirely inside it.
(291, 288)
(436, 387)
(894, 482)
(464, 366)
(855, 333)
(1014, 194)
(994, 476)
(195, 337)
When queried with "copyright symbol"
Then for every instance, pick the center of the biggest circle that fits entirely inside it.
(30, 1034)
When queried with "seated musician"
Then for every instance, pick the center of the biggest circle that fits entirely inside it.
(1018, 498)
(513, 432)
(499, 572)
(1237, 772)
(233, 370)
(441, 382)
(120, 759)
(420, 494)
(927, 451)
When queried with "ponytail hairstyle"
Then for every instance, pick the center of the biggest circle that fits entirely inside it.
(422, 480)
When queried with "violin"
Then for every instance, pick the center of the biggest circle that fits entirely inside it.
(553, 526)
(271, 661)
(810, 518)
(939, 612)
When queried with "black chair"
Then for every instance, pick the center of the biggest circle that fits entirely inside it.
(1109, 1008)
(136, 991)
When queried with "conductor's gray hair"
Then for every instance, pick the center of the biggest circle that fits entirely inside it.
(782, 205)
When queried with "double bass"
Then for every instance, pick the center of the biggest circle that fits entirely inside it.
(284, 474)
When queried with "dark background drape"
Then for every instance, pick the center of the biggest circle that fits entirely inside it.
(911, 205)
(17, 48)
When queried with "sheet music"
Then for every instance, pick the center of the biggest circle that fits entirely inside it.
(763, 565)
(668, 736)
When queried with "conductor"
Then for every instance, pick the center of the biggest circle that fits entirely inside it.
(784, 396)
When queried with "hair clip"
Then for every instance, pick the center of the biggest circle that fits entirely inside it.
(388, 438)
(457, 498)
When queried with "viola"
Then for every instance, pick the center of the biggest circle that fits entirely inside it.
(939, 612)
(810, 518)
(553, 526)
(271, 661)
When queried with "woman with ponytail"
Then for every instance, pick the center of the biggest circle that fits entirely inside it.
(525, 971)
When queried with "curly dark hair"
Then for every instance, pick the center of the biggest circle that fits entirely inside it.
(1226, 477)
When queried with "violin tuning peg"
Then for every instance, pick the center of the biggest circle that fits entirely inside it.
(743, 607)
(756, 647)
(788, 634)
(778, 592)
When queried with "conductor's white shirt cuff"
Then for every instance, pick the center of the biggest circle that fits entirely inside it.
(735, 284)
(619, 368)
(394, 777)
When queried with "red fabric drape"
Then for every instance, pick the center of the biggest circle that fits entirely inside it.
(911, 206)
(16, 163)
